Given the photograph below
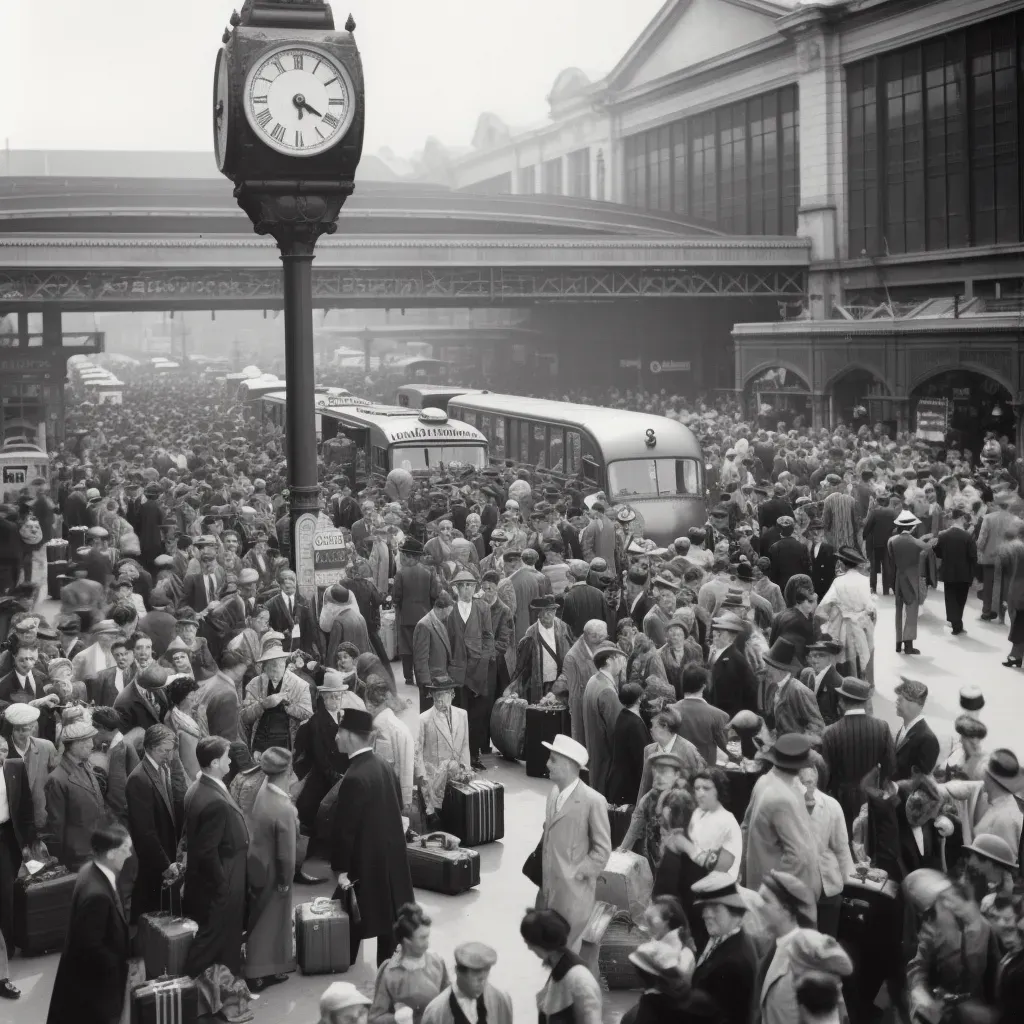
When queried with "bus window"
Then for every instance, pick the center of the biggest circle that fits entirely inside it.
(524, 441)
(574, 445)
(498, 441)
(414, 459)
(403, 400)
(468, 417)
(590, 469)
(380, 459)
(538, 451)
(485, 426)
(556, 449)
(654, 478)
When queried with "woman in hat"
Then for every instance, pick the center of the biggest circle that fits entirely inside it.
(273, 832)
(969, 757)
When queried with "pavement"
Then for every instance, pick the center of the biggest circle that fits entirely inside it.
(491, 912)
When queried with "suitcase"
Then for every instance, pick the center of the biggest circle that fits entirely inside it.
(56, 550)
(389, 636)
(42, 909)
(164, 940)
(474, 811)
(619, 819)
(626, 883)
(871, 932)
(439, 864)
(322, 937)
(76, 539)
(166, 1001)
(621, 937)
(543, 723)
(508, 726)
(54, 570)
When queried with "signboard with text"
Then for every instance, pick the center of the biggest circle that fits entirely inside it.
(330, 557)
(305, 529)
(670, 366)
(932, 419)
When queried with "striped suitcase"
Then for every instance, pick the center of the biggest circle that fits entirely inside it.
(166, 1001)
(474, 811)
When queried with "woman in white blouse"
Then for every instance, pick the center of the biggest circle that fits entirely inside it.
(713, 839)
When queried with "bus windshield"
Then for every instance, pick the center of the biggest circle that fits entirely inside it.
(433, 456)
(654, 478)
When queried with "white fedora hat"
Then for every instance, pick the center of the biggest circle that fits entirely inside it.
(568, 747)
(907, 518)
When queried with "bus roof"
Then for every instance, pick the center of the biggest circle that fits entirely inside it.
(429, 390)
(404, 364)
(399, 424)
(619, 432)
(322, 398)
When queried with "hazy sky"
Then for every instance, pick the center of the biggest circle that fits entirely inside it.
(137, 74)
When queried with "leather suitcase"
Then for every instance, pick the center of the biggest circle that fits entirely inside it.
(871, 932)
(389, 635)
(543, 723)
(322, 937)
(508, 726)
(42, 909)
(166, 1001)
(621, 937)
(54, 570)
(474, 811)
(626, 883)
(438, 863)
(164, 941)
(619, 819)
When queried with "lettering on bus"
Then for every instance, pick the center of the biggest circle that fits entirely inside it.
(431, 432)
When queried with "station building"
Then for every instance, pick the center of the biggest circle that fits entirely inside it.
(887, 132)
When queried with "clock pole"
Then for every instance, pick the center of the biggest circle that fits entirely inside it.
(291, 186)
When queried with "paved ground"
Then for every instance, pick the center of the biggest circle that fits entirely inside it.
(493, 911)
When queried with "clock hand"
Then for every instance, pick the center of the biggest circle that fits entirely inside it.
(312, 110)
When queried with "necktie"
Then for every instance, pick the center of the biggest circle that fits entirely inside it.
(481, 1011)
(291, 610)
(211, 592)
(165, 778)
(29, 688)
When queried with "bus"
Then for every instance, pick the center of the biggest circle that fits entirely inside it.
(271, 407)
(430, 396)
(108, 390)
(420, 441)
(252, 389)
(21, 461)
(651, 463)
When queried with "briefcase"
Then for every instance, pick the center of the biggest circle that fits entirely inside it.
(322, 937)
(389, 636)
(166, 1001)
(438, 863)
(621, 937)
(474, 811)
(164, 940)
(42, 910)
(543, 723)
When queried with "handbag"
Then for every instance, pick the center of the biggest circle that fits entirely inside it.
(533, 867)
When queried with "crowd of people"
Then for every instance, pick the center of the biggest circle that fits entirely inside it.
(189, 726)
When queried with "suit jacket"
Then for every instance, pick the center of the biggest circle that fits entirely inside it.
(472, 646)
(734, 686)
(828, 700)
(777, 834)
(580, 604)
(92, 975)
(959, 555)
(196, 594)
(793, 709)
(40, 759)
(629, 741)
(704, 725)
(19, 801)
(851, 748)
(11, 692)
(151, 537)
(155, 821)
(906, 552)
(135, 711)
(74, 803)
(768, 512)
(415, 590)
(527, 584)
(878, 528)
(220, 698)
(728, 976)
(788, 557)
(431, 649)
(437, 743)
(250, 560)
(575, 847)
(101, 688)
(318, 761)
(496, 1003)
(823, 568)
(311, 639)
(917, 747)
(992, 535)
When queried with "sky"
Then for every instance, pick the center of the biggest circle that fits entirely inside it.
(137, 74)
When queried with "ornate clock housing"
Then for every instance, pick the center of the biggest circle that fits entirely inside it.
(221, 108)
(298, 99)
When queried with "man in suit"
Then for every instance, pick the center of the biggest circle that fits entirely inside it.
(527, 584)
(499, 671)
(104, 688)
(734, 687)
(473, 963)
(158, 624)
(821, 677)
(205, 587)
(581, 603)
(789, 706)
(142, 703)
(225, 618)
(854, 745)
(576, 842)
(443, 736)
(823, 558)
(991, 538)
(24, 685)
(38, 755)
(432, 646)
(907, 553)
(600, 709)
(258, 557)
(916, 744)
(217, 842)
(92, 977)
(788, 556)
(150, 521)
(290, 614)
(704, 725)
(472, 646)
(17, 833)
(155, 817)
(367, 842)
(878, 528)
(69, 631)
(727, 967)
(769, 512)
(776, 828)
(578, 667)
(959, 555)
(415, 590)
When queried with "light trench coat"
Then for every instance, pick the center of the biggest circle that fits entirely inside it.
(437, 747)
(576, 845)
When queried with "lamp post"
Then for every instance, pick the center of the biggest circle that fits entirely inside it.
(288, 131)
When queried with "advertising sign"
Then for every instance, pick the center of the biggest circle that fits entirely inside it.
(330, 557)
(16, 476)
(670, 366)
(932, 419)
(629, 364)
(305, 528)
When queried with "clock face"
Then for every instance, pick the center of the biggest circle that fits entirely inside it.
(220, 108)
(299, 100)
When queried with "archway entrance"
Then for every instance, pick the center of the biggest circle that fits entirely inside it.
(978, 405)
(857, 397)
(778, 395)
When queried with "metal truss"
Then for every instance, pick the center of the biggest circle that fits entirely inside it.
(253, 288)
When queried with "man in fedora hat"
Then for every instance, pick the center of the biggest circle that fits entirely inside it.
(415, 590)
(776, 828)
(878, 528)
(541, 652)
(277, 702)
(432, 646)
(576, 842)
(600, 709)
(789, 706)
(916, 744)
(367, 838)
(727, 966)
(664, 587)
(472, 644)
(788, 555)
(822, 678)
(907, 553)
(734, 687)
(443, 737)
(854, 745)
(959, 554)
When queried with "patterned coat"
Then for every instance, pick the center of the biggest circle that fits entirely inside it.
(300, 705)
